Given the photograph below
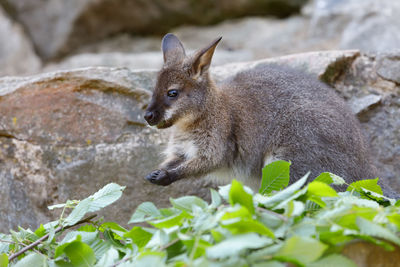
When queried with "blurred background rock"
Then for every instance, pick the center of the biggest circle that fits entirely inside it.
(65, 134)
(51, 35)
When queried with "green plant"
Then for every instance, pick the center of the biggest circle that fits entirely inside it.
(306, 224)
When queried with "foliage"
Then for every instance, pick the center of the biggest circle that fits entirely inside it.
(306, 224)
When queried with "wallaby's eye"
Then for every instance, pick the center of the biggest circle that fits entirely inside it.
(172, 93)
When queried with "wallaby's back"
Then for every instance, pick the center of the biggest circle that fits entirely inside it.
(296, 118)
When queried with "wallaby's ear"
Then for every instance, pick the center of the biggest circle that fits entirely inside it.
(202, 59)
(172, 49)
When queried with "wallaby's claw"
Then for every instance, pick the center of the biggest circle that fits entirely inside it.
(159, 177)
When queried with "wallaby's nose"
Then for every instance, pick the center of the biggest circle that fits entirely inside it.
(149, 116)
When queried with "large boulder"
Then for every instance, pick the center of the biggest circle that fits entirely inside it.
(64, 135)
(368, 25)
(17, 55)
(58, 26)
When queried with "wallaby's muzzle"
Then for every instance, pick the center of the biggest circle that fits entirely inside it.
(152, 117)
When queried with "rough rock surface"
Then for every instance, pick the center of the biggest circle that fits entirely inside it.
(368, 25)
(64, 135)
(59, 26)
(17, 55)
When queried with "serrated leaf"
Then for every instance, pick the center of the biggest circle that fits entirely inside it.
(371, 229)
(144, 212)
(108, 258)
(237, 195)
(138, 236)
(301, 249)
(349, 219)
(371, 185)
(78, 212)
(333, 260)
(320, 189)
(236, 245)
(41, 231)
(100, 247)
(171, 221)
(80, 254)
(114, 227)
(187, 202)
(105, 196)
(282, 195)
(33, 259)
(242, 226)
(330, 178)
(275, 176)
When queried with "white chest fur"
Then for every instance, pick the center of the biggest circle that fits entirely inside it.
(186, 148)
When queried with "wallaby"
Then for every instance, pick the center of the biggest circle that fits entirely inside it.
(232, 129)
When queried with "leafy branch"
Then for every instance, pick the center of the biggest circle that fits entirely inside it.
(40, 240)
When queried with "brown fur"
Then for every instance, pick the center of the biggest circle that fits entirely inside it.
(266, 113)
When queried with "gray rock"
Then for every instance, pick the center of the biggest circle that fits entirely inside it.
(58, 26)
(362, 104)
(64, 135)
(368, 25)
(389, 67)
(17, 55)
(146, 60)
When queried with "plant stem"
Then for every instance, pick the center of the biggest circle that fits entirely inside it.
(37, 242)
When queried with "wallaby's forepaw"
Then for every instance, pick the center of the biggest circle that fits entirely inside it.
(160, 177)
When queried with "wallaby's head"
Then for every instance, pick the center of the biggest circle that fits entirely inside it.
(183, 84)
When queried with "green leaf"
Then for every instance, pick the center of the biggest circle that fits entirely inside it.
(321, 189)
(372, 229)
(105, 196)
(246, 226)
(3, 260)
(215, 199)
(333, 260)
(80, 254)
(150, 258)
(237, 244)
(78, 212)
(138, 236)
(349, 219)
(301, 249)
(108, 258)
(330, 178)
(171, 221)
(275, 176)
(282, 195)
(224, 190)
(395, 219)
(114, 227)
(187, 202)
(200, 247)
(237, 194)
(145, 212)
(269, 264)
(32, 259)
(371, 185)
(100, 247)
(41, 231)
